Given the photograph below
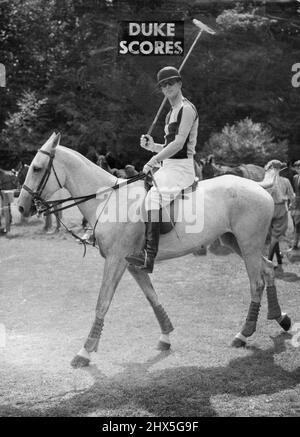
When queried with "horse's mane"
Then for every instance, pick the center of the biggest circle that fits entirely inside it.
(86, 161)
(79, 155)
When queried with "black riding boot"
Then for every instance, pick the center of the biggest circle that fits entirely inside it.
(145, 259)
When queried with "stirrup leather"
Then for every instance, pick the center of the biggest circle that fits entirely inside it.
(145, 259)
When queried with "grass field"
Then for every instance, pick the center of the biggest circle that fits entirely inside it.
(48, 293)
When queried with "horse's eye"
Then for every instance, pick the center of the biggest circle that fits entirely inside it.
(36, 169)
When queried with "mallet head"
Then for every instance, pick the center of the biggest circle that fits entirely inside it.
(203, 26)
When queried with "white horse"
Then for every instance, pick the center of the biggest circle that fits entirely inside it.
(237, 210)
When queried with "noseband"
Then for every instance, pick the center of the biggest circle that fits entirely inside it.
(37, 195)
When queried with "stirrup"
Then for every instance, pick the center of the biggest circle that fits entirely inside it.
(142, 262)
(137, 259)
(148, 263)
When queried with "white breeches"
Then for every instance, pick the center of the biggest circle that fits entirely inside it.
(174, 176)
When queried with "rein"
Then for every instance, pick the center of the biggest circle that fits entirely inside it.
(52, 204)
(47, 208)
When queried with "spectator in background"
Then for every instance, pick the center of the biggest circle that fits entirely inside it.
(295, 206)
(113, 161)
(287, 171)
(93, 156)
(282, 194)
(130, 171)
(6, 198)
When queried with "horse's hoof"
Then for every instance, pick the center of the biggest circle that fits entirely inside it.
(237, 342)
(163, 346)
(285, 322)
(79, 361)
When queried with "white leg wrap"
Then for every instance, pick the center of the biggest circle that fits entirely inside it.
(165, 338)
(84, 353)
(240, 336)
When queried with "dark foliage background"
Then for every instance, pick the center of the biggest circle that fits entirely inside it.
(64, 74)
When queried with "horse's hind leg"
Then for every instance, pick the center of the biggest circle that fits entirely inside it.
(253, 264)
(166, 326)
(261, 273)
(252, 259)
(274, 310)
(58, 217)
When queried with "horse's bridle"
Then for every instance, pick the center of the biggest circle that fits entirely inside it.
(37, 195)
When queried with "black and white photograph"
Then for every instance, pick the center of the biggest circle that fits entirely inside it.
(149, 211)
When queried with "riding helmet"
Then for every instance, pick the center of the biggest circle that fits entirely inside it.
(167, 73)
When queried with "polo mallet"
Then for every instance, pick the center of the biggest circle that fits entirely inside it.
(202, 28)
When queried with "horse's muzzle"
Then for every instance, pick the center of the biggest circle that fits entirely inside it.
(31, 212)
(21, 210)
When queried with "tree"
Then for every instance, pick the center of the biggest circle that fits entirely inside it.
(246, 142)
(22, 127)
(66, 51)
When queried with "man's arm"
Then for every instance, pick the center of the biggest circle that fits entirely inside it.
(157, 148)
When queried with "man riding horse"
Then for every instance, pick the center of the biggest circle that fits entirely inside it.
(177, 171)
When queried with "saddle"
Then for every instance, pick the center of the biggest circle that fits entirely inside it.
(168, 219)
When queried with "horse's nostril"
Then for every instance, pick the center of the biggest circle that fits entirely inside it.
(21, 209)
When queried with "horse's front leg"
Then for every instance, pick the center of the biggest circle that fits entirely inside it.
(113, 270)
(58, 218)
(166, 326)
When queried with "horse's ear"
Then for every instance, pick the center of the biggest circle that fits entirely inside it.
(50, 140)
(56, 140)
